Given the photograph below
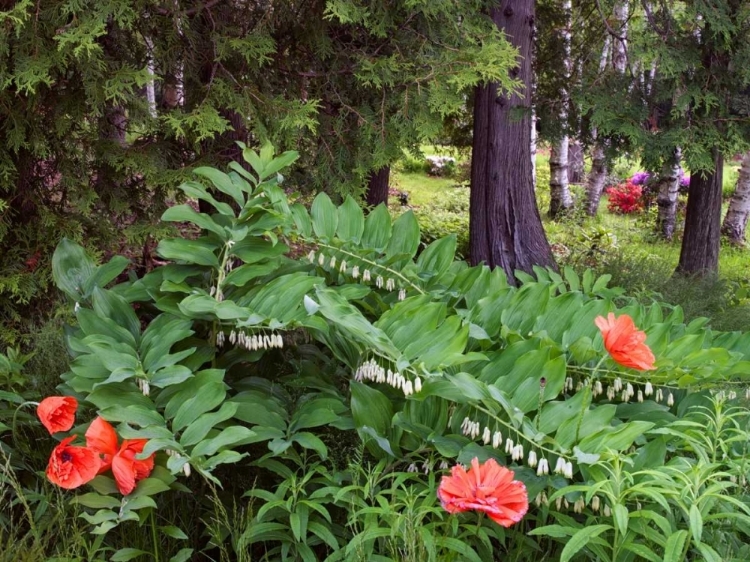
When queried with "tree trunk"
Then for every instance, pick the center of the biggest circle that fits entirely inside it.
(150, 86)
(668, 187)
(377, 187)
(735, 221)
(595, 180)
(560, 198)
(598, 173)
(533, 147)
(505, 229)
(700, 244)
(575, 162)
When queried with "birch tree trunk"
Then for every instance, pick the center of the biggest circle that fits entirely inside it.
(735, 222)
(668, 189)
(598, 174)
(560, 198)
(150, 89)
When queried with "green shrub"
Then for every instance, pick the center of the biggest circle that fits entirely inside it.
(411, 165)
(244, 364)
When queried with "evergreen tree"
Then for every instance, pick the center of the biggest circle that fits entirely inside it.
(505, 227)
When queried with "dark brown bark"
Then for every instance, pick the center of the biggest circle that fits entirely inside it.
(505, 229)
(700, 243)
(112, 128)
(377, 187)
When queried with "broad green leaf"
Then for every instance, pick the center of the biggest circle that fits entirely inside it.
(229, 436)
(438, 256)
(96, 501)
(107, 272)
(351, 221)
(183, 555)
(617, 438)
(301, 219)
(580, 539)
(620, 514)
(138, 415)
(185, 213)
(279, 163)
(72, 268)
(108, 304)
(198, 191)
(377, 228)
(222, 182)
(124, 554)
(197, 430)
(324, 217)
(405, 238)
(371, 407)
(696, 523)
(311, 441)
(198, 251)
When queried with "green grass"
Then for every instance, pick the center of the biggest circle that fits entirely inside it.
(624, 246)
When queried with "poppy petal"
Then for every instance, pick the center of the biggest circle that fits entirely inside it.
(57, 413)
(102, 438)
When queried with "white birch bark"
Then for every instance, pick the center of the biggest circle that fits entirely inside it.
(735, 222)
(668, 189)
(150, 89)
(560, 197)
(598, 175)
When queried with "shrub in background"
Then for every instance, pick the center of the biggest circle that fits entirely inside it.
(625, 198)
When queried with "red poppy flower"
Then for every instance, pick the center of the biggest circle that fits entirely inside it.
(127, 469)
(102, 438)
(57, 413)
(70, 467)
(489, 488)
(625, 343)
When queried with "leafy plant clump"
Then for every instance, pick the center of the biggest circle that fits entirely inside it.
(281, 333)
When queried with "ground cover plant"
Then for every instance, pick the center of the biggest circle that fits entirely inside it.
(306, 381)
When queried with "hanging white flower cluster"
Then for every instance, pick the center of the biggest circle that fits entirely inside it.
(541, 499)
(380, 281)
(144, 387)
(371, 371)
(730, 395)
(186, 470)
(564, 467)
(251, 342)
(217, 293)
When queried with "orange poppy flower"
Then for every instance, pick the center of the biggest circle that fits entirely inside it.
(127, 469)
(70, 467)
(57, 413)
(625, 343)
(489, 488)
(102, 438)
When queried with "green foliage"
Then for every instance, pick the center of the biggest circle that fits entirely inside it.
(683, 509)
(85, 154)
(243, 353)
